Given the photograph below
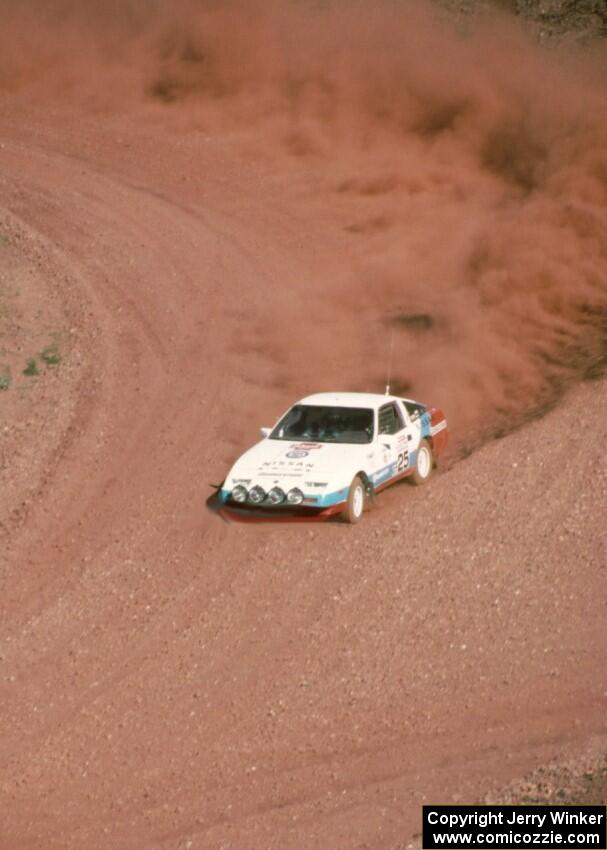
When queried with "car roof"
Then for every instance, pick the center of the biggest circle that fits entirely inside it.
(338, 399)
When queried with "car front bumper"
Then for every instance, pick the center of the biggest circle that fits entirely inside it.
(246, 512)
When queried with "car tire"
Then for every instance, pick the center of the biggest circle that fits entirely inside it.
(355, 506)
(424, 463)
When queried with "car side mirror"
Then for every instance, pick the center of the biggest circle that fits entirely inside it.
(265, 432)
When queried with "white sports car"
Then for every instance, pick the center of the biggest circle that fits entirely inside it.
(331, 453)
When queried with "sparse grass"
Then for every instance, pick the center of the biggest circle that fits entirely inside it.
(4, 240)
(5, 378)
(32, 368)
(51, 354)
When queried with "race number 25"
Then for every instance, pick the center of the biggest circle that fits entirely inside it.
(402, 461)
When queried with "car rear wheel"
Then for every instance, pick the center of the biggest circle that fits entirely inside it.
(355, 505)
(424, 464)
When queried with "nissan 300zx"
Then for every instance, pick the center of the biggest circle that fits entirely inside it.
(331, 453)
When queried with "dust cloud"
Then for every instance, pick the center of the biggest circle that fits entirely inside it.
(463, 165)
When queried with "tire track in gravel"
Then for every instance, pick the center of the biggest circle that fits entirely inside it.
(139, 335)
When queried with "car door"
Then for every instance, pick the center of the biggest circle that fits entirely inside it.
(393, 439)
(413, 431)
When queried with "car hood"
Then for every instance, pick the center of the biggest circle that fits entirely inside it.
(272, 459)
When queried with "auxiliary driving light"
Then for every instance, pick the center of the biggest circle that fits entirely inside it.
(295, 496)
(239, 493)
(276, 495)
(257, 495)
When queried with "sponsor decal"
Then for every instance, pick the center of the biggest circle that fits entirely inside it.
(285, 465)
(287, 474)
(306, 446)
(296, 454)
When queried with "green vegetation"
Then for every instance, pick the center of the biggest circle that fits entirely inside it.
(4, 240)
(31, 368)
(5, 378)
(51, 355)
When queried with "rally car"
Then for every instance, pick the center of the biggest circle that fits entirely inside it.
(331, 453)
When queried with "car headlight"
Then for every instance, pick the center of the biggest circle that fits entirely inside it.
(295, 496)
(276, 495)
(239, 493)
(257, 495)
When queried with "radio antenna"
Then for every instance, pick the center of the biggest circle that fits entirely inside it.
(389, 375)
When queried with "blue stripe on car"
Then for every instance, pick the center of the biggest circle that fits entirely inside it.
(384, 474)
(330, 498)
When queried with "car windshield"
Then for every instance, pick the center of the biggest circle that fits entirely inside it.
(325, 424)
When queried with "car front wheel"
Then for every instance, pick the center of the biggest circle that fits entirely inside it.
(355, 505)
(424, 464)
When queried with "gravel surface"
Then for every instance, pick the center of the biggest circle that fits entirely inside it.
(582, 20)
